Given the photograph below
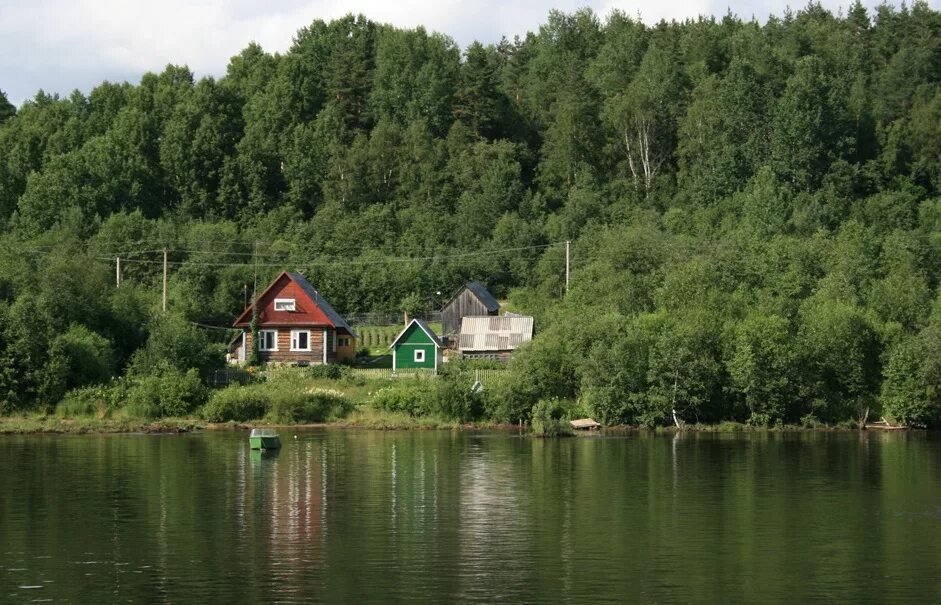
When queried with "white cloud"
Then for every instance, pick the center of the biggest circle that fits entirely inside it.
(59, 45)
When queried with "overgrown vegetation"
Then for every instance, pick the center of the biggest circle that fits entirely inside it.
(280, 402)
(754, 211)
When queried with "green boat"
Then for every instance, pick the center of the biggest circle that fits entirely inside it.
(264, 439)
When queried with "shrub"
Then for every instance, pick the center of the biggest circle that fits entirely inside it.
(329, 371)
(167, 393)
(413, 398)
(281, 402)
(238, 403)
(175, 342)
(88, 401)
(454, 399)
(548, 419)
(311, 405)
(90, 356)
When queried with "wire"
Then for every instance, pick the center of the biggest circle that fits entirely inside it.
(331, 260)
(196, 323)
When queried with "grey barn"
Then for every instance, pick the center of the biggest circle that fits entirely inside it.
(473, 300)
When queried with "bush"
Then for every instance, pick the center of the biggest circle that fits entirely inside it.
(168, 393)
(549, 419)
(454, 399)
(311, 405)
(413, 398)
(95, 401)
(175, 342)
(330, 371)
(238, 403)
(283, 402)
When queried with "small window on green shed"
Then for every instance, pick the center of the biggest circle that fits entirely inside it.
(419, 355)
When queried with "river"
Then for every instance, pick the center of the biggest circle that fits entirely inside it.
(348, 516)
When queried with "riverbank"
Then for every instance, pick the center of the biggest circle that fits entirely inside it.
(56, 425)
(360, 418)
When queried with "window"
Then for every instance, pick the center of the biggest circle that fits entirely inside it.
(268, 340)
(419, 355)
(344, 341)
(300, 340)
(284, 304)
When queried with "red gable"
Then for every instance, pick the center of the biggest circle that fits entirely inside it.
(306, 311)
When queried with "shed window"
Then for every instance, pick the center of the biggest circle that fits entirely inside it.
(419, 355)
(344, 341)
(300, 340)
(284, 304)
(268, 340)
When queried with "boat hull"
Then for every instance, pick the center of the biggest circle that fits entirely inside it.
(264, 443)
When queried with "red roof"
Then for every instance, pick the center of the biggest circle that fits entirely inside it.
(310, 309)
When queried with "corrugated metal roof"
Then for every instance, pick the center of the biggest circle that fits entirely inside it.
(321, 302)
(484, 295)
(494, 333)
(425, 327)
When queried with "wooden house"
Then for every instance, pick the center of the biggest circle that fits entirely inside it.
(417, 347)
(473, 300)
(296, 324)
(493, 337)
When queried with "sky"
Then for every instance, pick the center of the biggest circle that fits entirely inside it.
(61, 45)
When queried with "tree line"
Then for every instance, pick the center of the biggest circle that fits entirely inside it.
(754, 208)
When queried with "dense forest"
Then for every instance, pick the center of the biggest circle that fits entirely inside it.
(754, 209)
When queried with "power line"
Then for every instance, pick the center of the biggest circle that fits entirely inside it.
(210, 327)
(333, 260)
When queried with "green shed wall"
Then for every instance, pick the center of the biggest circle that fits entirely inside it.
(414, 339)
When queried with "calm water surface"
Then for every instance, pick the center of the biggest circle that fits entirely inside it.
(440, 517)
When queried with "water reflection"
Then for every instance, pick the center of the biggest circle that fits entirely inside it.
(339, 516)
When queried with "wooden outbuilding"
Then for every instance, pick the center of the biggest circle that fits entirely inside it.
(417, 347)
(473, 300)
(296, 324)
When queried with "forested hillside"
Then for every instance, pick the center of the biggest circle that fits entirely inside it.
(754, 209)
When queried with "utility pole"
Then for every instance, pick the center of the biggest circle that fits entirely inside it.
(164, 280)
(245, 295)
(255, 270)
(117, 272)
(567, 265)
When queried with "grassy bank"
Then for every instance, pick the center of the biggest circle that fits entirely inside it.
(361, 417)
(314, 397)
(12, 425)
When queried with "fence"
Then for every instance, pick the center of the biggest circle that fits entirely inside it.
(486, 377)
(389, 373)
(388, 319)
(227, 376)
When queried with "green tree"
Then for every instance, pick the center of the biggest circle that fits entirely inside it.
(7, 110)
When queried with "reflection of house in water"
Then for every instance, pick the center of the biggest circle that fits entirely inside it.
(283, 506)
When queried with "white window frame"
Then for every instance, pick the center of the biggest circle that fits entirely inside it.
(294, 336)
(288, 304)
(261, 340)
(419, 356)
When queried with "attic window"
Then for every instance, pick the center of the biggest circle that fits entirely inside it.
(284, 304)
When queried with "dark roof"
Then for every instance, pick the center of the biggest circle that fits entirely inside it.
(320, 301)
(484, 296)
(425, 327)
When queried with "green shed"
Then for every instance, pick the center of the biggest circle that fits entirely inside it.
(417, 347)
